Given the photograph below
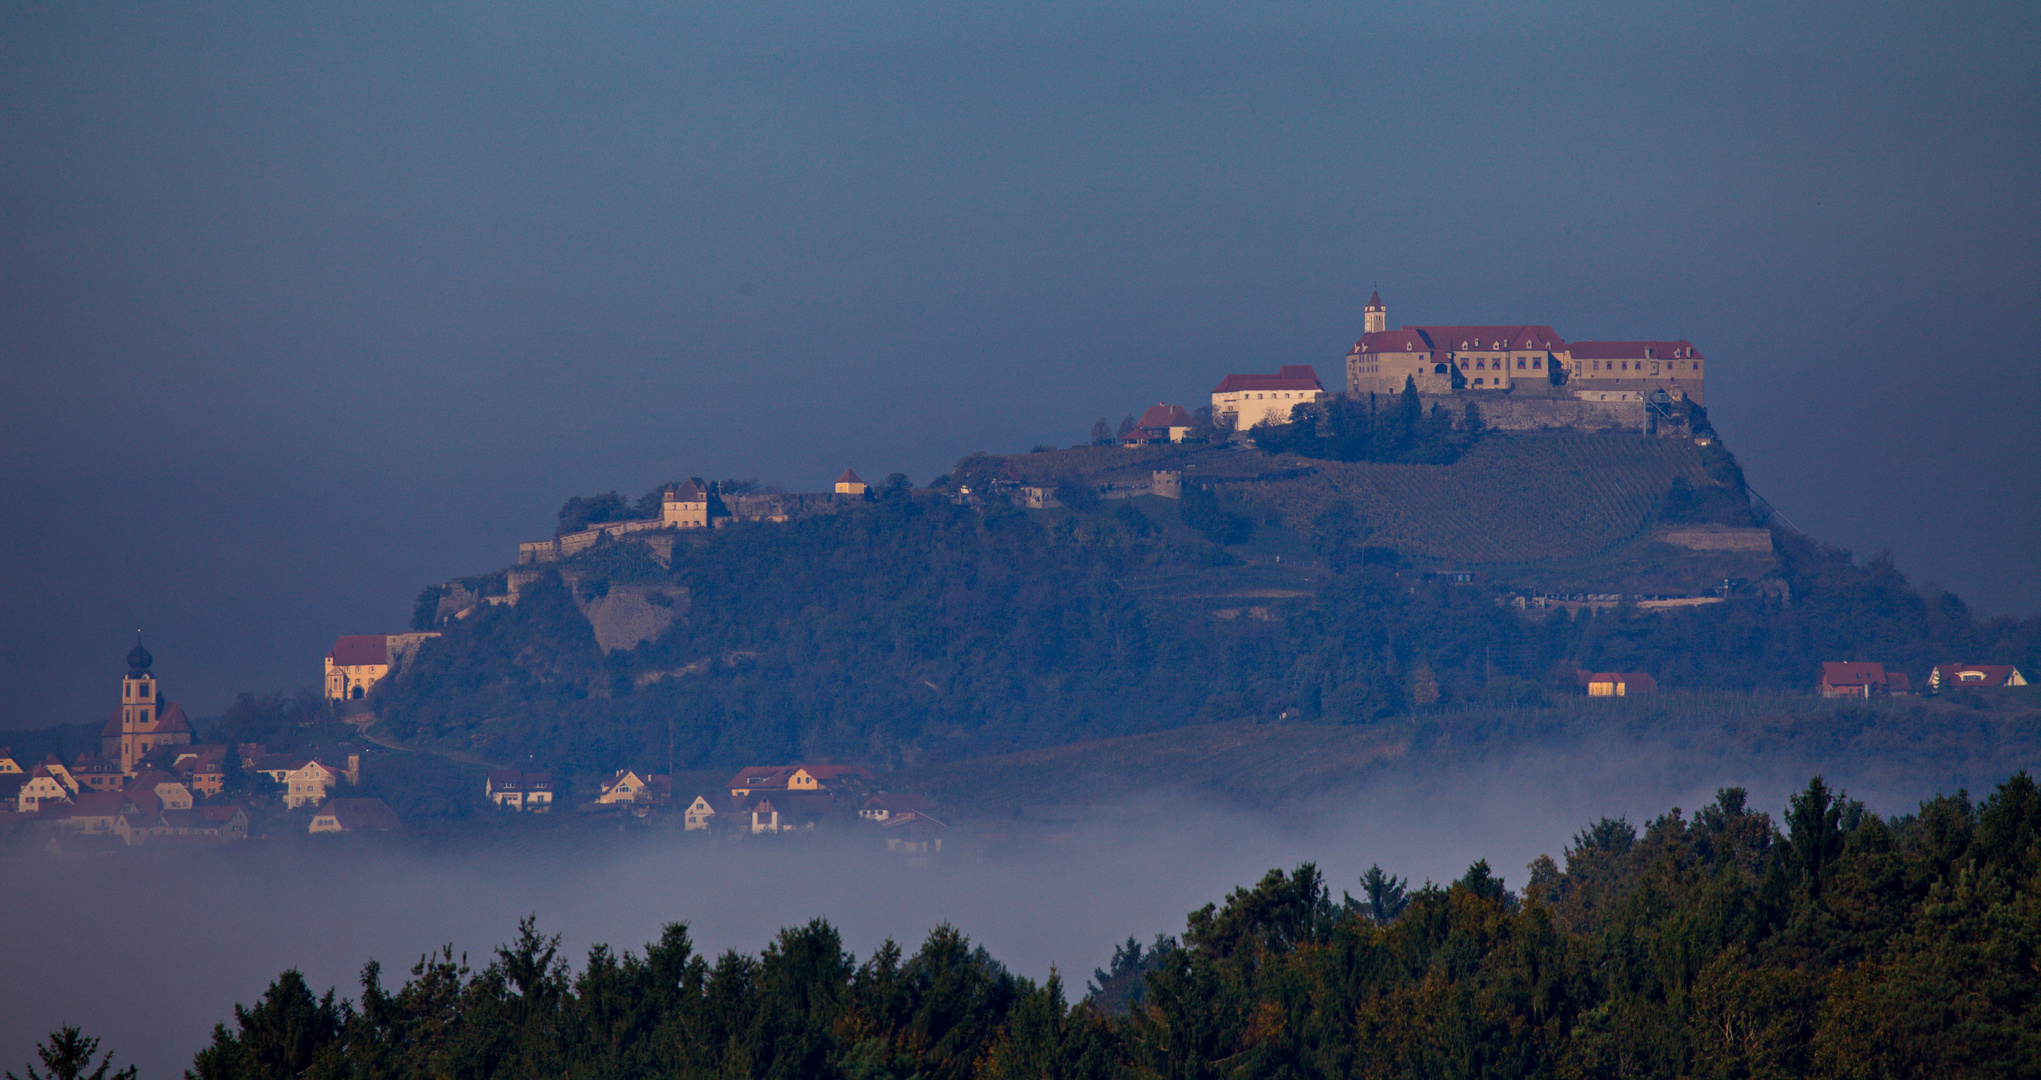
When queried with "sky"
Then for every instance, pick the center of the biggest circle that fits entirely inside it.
(304, 307)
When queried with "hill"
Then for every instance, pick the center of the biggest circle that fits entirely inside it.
(920, 627)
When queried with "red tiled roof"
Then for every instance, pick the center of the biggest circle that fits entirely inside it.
(171, 718)
(1456, 338)
(849, 477)
(1291, 377)
(898, 802)
(1982, 675)
(1842, 673)
(358, 649)
(1632, 350)
(356, 814)
(1164, 416)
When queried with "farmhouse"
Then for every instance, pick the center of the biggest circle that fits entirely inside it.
(1861, 679)
(1950, 676)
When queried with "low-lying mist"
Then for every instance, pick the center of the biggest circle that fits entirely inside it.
(149, 949)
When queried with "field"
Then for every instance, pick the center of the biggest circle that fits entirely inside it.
(1894, 748)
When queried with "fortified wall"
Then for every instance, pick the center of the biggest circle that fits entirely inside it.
(1514, 411)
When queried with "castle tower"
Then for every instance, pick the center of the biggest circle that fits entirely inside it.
(138, 703)
(1377, 316)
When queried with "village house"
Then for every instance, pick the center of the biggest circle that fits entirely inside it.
(515, 789)
(850, 484)
(887, 804)
(43, 790)
(700, 814)
(1257, 399)
(1951, 676)
(796, 778)
(7, 763)
(628, 788)
(308, 784)
(1620, 684)
(354, 815)
(915, 836)
(94, 772)
(143, 721)
(1861, 679)
(1160, 424)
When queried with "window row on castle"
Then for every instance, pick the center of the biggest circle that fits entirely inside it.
(1694, 365)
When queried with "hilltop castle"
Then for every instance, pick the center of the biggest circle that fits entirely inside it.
(1531, 359)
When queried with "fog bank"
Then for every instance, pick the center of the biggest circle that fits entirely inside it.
(149, 949)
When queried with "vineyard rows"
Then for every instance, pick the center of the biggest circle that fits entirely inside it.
(1510, 499)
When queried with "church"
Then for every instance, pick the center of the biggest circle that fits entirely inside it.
(144, 721)
(1528, 358)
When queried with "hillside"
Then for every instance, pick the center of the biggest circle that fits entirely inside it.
(1892, 745)
(913, 628)
(1509, 498)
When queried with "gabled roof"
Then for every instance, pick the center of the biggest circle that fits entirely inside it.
(1631, 350)
(1392, 341)
(1457, 338)
(1289, 377)
(1164, 416)
(1980, 675)
(169, 719)
(360, 814)
(898, 802)
(355, 650)
(1852, 673)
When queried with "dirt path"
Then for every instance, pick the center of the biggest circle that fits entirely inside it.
(367, 730)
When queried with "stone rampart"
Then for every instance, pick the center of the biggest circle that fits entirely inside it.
(1539, 412)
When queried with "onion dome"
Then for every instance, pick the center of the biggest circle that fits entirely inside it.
(139, 660)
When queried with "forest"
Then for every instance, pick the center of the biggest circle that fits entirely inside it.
(910, 628)
(1832, 943)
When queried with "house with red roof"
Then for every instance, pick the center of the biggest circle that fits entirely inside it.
(1859, 678)
(850, 483)
(1259, 399)
(516, 789)
(354, 815)
(887, 804)
(1952, 676)
(1159, 424)
(796, 778)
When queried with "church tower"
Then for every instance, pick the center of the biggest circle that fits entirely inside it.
(1377, 315)
(138, 704)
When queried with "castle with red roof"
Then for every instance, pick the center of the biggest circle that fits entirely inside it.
(1517, 358)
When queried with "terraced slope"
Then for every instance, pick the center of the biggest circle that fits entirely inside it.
(1513, 498)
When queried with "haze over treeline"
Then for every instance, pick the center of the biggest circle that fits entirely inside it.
(1730, 907)
(306, 308)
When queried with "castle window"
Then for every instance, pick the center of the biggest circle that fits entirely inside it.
(1538, 362)
(1520, 361)
(1477, 382)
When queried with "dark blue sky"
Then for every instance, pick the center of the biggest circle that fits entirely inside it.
(303, 307)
